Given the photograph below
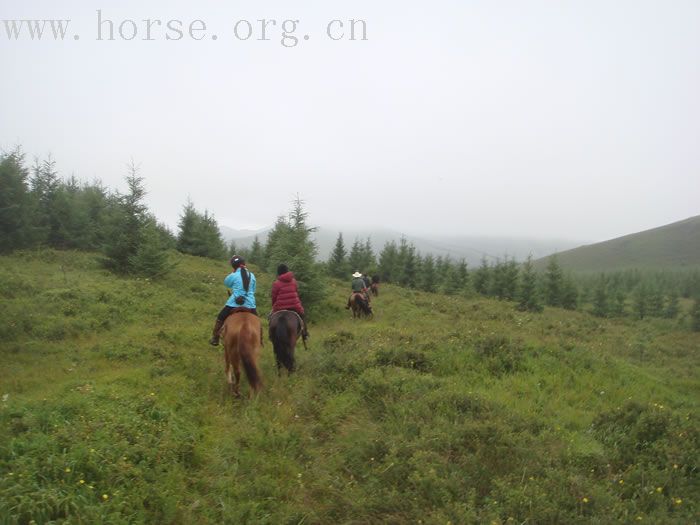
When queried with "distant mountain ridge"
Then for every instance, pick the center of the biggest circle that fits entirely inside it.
(673, 246)
(469, 247)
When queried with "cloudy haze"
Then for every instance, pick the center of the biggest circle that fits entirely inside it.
(568, 119)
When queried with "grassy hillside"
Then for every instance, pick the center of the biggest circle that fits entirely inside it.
(440, 410)
(674, 246)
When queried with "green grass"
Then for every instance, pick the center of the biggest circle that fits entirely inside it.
(441, 409)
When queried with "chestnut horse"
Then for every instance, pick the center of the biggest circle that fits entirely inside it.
(375, 289)
(242, 341)
(285, 329)
(359, 304)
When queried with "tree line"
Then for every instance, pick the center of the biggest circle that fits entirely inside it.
(39, 208)
(630, 293)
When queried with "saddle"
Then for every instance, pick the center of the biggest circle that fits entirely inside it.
(243, 309)
(300, 321)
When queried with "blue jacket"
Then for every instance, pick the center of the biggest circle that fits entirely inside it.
(234, 281)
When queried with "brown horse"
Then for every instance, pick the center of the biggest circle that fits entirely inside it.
(285, 329)
(242, 341)
(359, 304)
(375, 289)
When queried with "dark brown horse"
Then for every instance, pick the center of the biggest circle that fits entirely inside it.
(285, 329)
(242, 341)
(375, 289)
(359, 304)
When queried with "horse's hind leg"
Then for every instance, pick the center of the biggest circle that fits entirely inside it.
(229, 376)
(233, 376)
(237, 375)
(278, 363)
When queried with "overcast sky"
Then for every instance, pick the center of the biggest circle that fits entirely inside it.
(566, 119)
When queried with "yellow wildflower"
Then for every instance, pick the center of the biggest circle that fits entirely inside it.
(678, 501)
(659, 489)
(105, 497)
(67, 469)
(585, 500)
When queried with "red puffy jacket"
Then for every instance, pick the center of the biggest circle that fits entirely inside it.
(285, 295)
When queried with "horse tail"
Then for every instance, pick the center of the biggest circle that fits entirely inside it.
(283, 344)
(246, 346)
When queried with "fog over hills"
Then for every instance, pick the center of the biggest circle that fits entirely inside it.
(472, 248)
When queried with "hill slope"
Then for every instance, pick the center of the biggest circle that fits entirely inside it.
(441, 409)
(675, 245)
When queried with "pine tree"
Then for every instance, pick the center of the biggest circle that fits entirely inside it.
(256, 254)
(569, 294)
(187, 236)
(427, 280)
(408, 264)
(150, 259)
(528, 294)
(199, 234)
(15, 203)
(656, 302)
(96, 203)
(554, 280)
(45, 185)
(640, 300)
(369, 262)
(213, 243)
(457, 278)
(496, 283)
(672, 308)
(442, 271)
(133, 243)
(482, 278)
(617, 302)
(510, 279)
(600, 299)
(463, 276)
(338, 265)
(126, 225)
(388, 263)
(290, 242)
(356, 257)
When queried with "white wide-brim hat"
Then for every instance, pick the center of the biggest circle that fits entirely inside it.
(357, 274)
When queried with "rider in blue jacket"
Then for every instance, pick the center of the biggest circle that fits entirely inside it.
(242, 284)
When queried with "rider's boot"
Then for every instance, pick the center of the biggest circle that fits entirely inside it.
(216, 333)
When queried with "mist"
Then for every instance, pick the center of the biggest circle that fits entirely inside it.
(576, 121)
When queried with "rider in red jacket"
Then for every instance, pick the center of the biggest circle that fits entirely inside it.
(285, 295)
